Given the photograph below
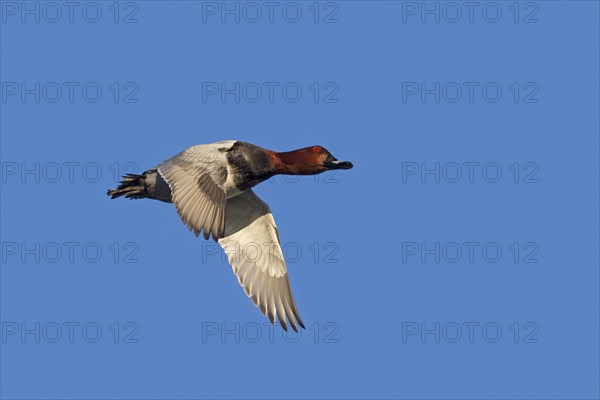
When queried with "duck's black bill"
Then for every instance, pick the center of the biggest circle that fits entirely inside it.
(335, 164)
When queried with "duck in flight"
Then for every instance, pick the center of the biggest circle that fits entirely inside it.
(211, 188)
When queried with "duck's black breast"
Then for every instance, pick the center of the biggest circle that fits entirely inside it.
(250, 164)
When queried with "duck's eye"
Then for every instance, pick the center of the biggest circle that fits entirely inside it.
(317, 149)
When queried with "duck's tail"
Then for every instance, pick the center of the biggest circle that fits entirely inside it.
(132, 186)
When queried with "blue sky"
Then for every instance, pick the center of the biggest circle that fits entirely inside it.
(458, 259)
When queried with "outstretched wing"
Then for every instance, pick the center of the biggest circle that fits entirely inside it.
(197, 178)
(251, 243)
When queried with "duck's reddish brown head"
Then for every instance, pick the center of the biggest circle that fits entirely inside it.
(307, 161)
